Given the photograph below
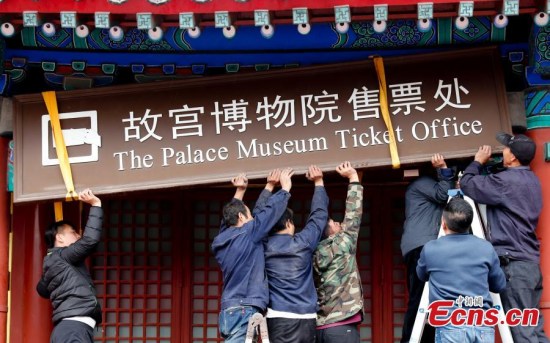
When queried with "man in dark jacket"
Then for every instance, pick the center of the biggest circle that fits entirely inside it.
(292, 310)
(514, 203)
(66, 281)
(239, 251)
(424, 202)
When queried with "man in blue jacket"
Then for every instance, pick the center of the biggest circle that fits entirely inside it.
(240, 253)
(514, 203)
(66, 280)
(292, 310)
(461, 266)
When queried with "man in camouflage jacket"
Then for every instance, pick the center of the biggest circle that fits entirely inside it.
(339, 290)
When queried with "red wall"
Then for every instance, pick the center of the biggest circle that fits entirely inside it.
(542, 169)
(4, 237)
(30, 314)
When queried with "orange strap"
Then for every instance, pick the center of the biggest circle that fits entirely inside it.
(379, 66)
(60, 147)
(58, 210)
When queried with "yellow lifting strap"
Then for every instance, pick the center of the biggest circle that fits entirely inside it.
(379, 66)
(58, 210)
(60, 147)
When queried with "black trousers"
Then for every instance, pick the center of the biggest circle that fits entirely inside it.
(72, 331)
(415, 287)
(339, 334)
(523, 290)
(286, 330)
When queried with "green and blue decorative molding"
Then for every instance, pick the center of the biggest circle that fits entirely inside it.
(537, 107)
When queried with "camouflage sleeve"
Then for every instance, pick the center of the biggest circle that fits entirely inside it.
(354, 209)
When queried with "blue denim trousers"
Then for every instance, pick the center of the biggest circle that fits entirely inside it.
(464, 334)
(233, 323)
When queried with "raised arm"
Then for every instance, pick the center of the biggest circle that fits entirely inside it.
(318, 216)
(266, 218)
(83, 247)
(286, 179)
(273, 179)
(316, 175)
(484, 189)
(354, 199)
(438, 192)
(241, 183)
(346, 170)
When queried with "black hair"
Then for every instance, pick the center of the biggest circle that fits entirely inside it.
(231, 211)
(288, 214)
(427, 170)
(458, 215)
(53, 229)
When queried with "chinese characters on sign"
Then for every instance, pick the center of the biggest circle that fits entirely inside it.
(315, 109)
(277, 112)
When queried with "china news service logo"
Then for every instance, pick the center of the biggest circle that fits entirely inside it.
(469, 311)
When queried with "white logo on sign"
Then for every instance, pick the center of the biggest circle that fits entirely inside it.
(72, 137)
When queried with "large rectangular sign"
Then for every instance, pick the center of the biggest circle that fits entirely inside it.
(206, 130)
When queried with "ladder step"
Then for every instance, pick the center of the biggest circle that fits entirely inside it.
(257, 323)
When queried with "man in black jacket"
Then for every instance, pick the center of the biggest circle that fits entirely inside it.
(424, 202)
(65, 279)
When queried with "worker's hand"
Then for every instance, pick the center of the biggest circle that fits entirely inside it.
(240, 181)
(315, 174)
(438, 161)
(346, 170)
(88, 197)
(273, 179)
(286, 182)
(483, 154)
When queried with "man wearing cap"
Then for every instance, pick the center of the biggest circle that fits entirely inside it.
(514, 203)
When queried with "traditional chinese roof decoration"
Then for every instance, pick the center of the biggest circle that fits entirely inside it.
(230, 15)
(73, 62)
(400, 34)
(308, 32)
(397, 8)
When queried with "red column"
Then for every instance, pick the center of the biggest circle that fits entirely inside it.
(30, 314)
(542, 169)
(4, 238)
